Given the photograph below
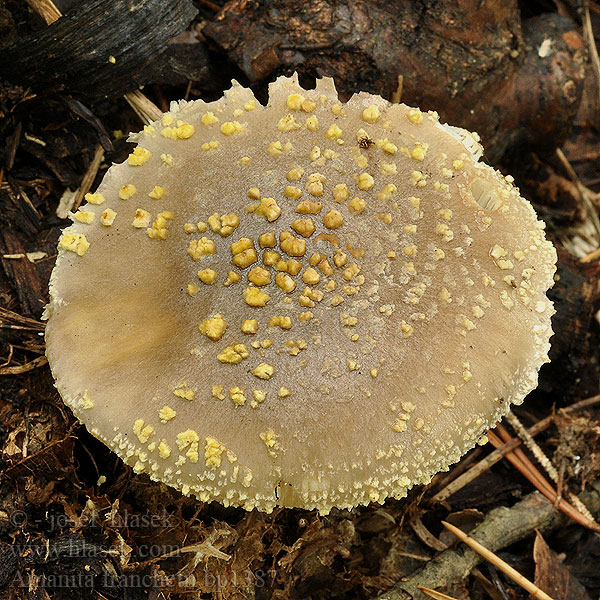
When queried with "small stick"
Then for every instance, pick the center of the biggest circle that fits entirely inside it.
(436, 595)
(11, 350)
(527, 585)
(476, 470)
(528, 470)
(8, 317)
(210, 5)
(582, 404)
(497, 455)
(40, 361)
(397, 94)
(588, 33)
(144, 108)
(88, 178)
(591, 256)
(545, 462)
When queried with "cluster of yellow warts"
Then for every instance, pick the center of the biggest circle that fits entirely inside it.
(279, 261)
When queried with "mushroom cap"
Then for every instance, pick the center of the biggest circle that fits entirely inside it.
(309, 304)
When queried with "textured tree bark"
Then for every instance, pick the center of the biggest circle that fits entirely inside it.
(96, 52)
(474, 62)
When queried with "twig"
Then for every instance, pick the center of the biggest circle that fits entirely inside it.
(520, 461)
(11, 350)
(414, 556)
(435, 595)
(397, 94)
(8, 317)
(144, 108)
(591, 401)
(527, 585)
(593, 50)
(545, 462)
(88, 178)
(441, 480)
(499, 453)
(436, 544)
(210, 5)
(475, 471)
(40, 361)
(501, 527)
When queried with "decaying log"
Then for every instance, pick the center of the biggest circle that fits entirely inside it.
(475, 63)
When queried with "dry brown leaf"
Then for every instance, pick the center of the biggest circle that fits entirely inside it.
(552, 576)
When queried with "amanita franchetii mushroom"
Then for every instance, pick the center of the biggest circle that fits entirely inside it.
(309, 304)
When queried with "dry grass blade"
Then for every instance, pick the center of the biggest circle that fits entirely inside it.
(592, 221)
(436, 595)
(527, 585)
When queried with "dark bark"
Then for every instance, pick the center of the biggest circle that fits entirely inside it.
(475, 63)
(73, 53)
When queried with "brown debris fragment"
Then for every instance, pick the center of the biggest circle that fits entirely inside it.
(552, 576)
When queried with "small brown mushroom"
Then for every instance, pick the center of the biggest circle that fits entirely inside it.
(309, 304)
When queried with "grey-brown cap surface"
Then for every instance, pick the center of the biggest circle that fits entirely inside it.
(308, 304)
